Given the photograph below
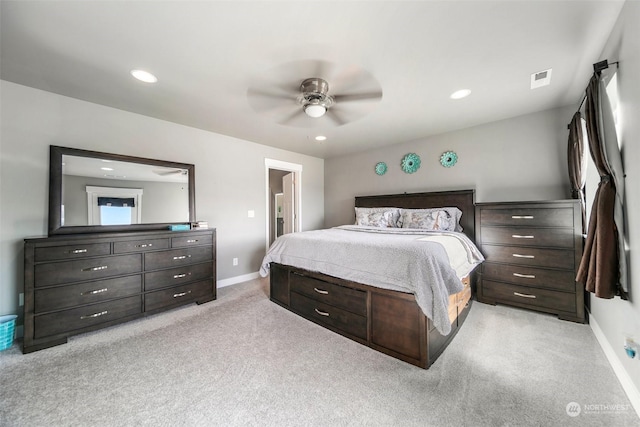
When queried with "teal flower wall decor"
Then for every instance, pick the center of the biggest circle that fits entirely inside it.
(381, 168)
(448, 159)
(410, 163)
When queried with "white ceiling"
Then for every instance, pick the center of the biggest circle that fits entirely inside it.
(209, 56)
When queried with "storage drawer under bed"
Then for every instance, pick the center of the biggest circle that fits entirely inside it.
(339, 296)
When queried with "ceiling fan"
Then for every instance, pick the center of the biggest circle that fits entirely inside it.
(303, 102)
(168, 172)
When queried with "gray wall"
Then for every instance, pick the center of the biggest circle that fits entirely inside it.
(229, 173)
(617, 318)
(523, 158)
(161, 201)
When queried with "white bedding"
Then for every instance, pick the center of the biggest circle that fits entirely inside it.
(426, 263)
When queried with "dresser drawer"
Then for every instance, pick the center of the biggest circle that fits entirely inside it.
(562, 280)
(553, 258)
(329, 315)
(523, 236)
(72, 251)
(62, 297)
(177, 276)
(86, 269)
(178, 295)
(534, 217)
(140, 245)
(193, 240)
(540, 298)
(83, 317)
(346, 298)
(177, 257)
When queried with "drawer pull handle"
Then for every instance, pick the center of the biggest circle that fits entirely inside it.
(180, 276)
(102, 267)
(518, 236)
(518, 294)
(321, 313)
(90, 316)
(181, 294)
(522, 216)
(144, 245)
(192, 241)
(524, 256)
(78, 251)
(525, 276)
(96, 291)
(321, 291)
(175, 258)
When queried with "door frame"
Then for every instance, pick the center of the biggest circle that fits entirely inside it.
(296, 169)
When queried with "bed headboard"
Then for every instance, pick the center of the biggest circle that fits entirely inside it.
(462, 199)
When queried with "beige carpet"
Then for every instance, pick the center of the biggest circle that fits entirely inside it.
(243, 360)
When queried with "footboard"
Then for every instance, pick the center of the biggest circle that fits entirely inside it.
(388, 321)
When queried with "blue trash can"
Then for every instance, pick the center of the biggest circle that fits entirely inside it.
(7, 328)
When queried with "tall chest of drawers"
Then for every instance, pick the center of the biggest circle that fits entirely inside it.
(532, 252)
(80, 283)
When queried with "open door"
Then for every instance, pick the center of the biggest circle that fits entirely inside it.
(288, 194)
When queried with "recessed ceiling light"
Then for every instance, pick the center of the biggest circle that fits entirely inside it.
(106, 169)
(144, 76)
(459, 94)
(321, 138)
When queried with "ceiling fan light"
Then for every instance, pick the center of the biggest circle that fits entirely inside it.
(315, 110)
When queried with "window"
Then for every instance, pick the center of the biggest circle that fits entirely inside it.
(114, 206)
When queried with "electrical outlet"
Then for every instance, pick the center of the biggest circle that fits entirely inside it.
(20, 299)
(235, 261)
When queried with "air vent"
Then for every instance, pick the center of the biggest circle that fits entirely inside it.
(541, 78)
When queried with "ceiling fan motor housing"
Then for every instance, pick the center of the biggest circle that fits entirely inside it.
(314, 93)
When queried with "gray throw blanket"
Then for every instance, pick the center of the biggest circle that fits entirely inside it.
(386, 258)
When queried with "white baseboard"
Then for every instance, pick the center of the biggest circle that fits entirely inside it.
(237, 279)
(623, 376)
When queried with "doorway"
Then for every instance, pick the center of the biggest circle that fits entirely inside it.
(283, 198)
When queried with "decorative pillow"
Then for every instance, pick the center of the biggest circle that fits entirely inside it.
(378, 217)
(437, 219)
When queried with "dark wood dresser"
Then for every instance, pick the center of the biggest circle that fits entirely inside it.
(79, 283)
(532, 252)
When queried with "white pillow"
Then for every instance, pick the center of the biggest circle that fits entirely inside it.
(378, 217)
(435, 219)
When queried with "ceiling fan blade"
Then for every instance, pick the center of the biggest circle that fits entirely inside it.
(291, 117)
(370, 96)
(270, 94)
(334, 116)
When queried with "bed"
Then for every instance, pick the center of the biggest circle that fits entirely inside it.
(395, 290)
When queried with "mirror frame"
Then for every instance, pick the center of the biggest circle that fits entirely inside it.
(55, 191)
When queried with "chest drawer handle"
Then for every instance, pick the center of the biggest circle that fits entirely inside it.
(144, 245)
(175, 258)
(321, 313)
(518, 294)
(518, 236)
(180, 276)
(525, 276)
(181, 294)
(96, 291)
(524, 256)
(522, 216)
(102, 267)
(90, 316)
(192, 241)
(78, 251)
(321, 291)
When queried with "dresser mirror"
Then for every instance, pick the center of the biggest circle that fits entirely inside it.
(91, 192)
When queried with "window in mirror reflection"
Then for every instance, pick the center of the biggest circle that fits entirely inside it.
(115, 215)
(113, 206)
